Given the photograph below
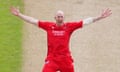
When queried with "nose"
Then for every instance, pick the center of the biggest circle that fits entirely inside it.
(60, 16)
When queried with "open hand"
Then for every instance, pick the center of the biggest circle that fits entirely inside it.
(106, 13)
(15, 11)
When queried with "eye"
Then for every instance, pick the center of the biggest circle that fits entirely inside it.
(60, 16)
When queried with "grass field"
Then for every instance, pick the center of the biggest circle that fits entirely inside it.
(10, 37)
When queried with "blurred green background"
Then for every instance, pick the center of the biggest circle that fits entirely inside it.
(10, 37)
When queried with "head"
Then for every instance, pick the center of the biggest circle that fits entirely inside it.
(59, 17)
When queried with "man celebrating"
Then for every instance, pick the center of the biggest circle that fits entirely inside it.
(58, 34)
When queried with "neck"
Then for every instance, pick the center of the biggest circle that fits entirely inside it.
(59, 24)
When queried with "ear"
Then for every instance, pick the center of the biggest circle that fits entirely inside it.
(54, 17)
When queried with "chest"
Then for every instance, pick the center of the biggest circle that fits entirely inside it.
(57, 31)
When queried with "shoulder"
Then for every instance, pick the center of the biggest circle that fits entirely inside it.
(74, 23)
(46, 22)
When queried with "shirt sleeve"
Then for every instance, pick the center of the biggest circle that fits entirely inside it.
(75, 25)
(88, 20)
(44, 25)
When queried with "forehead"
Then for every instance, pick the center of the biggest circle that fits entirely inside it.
(59, 13)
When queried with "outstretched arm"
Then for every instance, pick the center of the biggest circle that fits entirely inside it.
(104, 14)
(16, 12)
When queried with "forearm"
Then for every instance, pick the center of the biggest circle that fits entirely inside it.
(91, 20)
(97, 18)
(28, 18)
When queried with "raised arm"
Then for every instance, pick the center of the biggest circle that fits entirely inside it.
(16, 12)
(104, 14)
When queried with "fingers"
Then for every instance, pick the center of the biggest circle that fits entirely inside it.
(107, 12)
(14, 10)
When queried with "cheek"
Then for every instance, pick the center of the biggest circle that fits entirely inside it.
(61, 18)
(58, 18)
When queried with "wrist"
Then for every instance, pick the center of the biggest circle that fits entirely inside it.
(18, 14)
(98, 18)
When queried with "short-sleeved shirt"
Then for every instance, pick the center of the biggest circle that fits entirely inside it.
(58, 37)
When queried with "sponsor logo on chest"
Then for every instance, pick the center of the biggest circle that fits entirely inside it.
(58, 33)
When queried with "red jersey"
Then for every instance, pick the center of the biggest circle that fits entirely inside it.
(58, 37)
